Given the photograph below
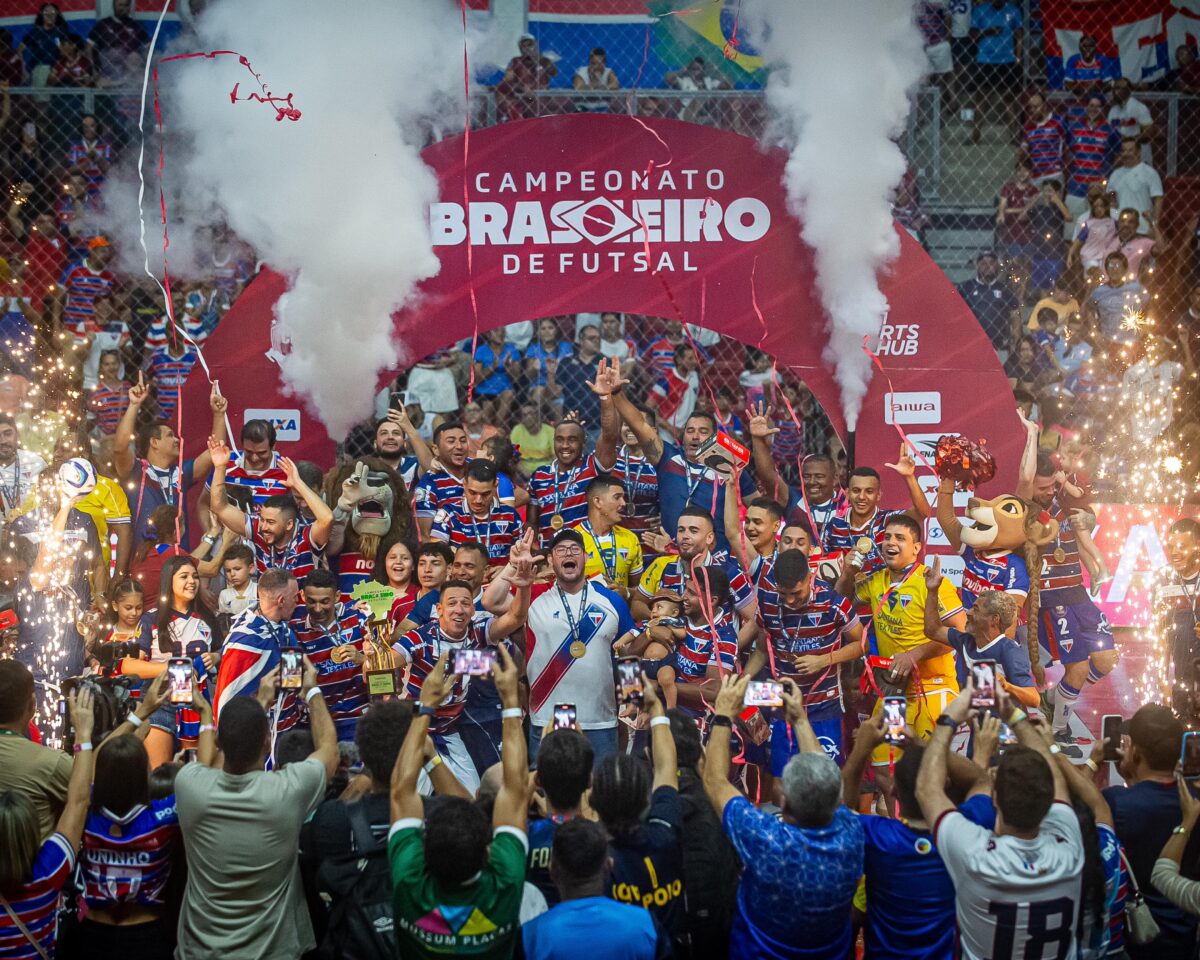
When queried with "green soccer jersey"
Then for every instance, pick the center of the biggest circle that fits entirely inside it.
(479, 919)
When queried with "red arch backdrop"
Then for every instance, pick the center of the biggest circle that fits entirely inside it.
(556, 212)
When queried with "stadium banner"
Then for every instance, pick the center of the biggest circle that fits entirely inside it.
(1141, 35)
(656, 217)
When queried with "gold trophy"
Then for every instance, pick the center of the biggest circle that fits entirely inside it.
(383, 681)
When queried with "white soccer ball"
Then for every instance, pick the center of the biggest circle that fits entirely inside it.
(77, 476)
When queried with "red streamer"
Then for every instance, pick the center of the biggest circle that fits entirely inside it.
(466, 199)
(895, 423)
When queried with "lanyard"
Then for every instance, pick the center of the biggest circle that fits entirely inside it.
(486, 539)
(560, 491)
(572, 623)
(829, 509)
(693, 484)
(610, 568)
(631, 489)
(1190, 594)
(10, 494)
(892, 588)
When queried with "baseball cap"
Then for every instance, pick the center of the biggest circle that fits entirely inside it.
(526, 36)
(670, 595)
(98, 241)
(987, 253)
(567, 535)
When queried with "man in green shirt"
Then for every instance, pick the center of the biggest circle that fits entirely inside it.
(458, 884)
(535, 437)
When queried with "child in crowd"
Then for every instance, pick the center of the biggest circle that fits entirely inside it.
(241, 590)
(657, 640)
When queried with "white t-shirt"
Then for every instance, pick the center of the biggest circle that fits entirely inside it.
(1129, 121)
(601, 619)
(1014, 898)
(960, 18)
(1149, 392)
(104, 341)
(230, 601)
(16, 479)
(519, 334)
(1136, 188)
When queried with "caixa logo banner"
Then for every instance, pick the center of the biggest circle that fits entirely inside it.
(286, 422)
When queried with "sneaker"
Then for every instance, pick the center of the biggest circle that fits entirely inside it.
(1047, 704)
(1068, 746)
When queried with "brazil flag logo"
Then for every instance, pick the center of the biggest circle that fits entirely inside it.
(686, 29)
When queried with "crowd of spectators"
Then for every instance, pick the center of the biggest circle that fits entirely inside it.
(533, 607)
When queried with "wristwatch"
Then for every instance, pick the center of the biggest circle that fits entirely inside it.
(1180, 829)
(720, 720)
(945, 720)
(424, 710)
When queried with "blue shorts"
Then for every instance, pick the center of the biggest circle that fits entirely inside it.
(1072, 632)
(828, 729)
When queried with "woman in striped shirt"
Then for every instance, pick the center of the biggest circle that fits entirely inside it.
(131, 842)
(34, 870)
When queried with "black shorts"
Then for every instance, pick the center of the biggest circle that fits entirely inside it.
(994, 77)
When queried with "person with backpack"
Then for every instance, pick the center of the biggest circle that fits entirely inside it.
(711, 867)
(343, 848)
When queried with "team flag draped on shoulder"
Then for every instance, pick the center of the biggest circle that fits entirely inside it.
(686, 29)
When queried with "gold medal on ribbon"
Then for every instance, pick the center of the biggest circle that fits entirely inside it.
(557, 521)
(343, 653)
(864, 545)
(1059, 555)
(578, 649)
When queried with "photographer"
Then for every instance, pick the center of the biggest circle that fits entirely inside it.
(35, 868)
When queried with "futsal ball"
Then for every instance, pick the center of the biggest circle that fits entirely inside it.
(78, 476)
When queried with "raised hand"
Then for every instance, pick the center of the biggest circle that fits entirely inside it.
(353, 488)
(933, 575)
(656, 542)
(793, 701)
(758, 420)
(219, 451)
(288, 466)
(216, 402)
(139, 391)
(905, 465)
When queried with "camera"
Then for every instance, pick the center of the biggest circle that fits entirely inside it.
(113, 701)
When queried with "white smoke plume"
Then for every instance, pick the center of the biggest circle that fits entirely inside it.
(841, 72)
(338, 199)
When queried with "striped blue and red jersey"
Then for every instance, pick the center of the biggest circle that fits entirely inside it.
(82, 286)
(1092, 72)
(228, 273)
(1092, 149)
(561, 492)
(156, 333)
(434, 489)
(816, 628)
(269, 483)
(299, 556)
(672, 573)
(1002, 570)
(931, 21)
(659, 356)
(108, 404)
(1061, 582)
(169, 374)
(455, 524)
(840, 536)
(698, 650)
(1044, 143)
(352, 569)
(669, 391)
(341, 684)
(35, 902)
(127, 859)
(639, 477)
(422, 647)
(77, 156)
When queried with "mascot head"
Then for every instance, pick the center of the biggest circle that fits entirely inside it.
(1005, 523)
(377, 499)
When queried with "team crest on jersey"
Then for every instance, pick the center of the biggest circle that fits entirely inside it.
(596, 617)
(441, 516)
(812, 619)
(923, 846)
(902, 599)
